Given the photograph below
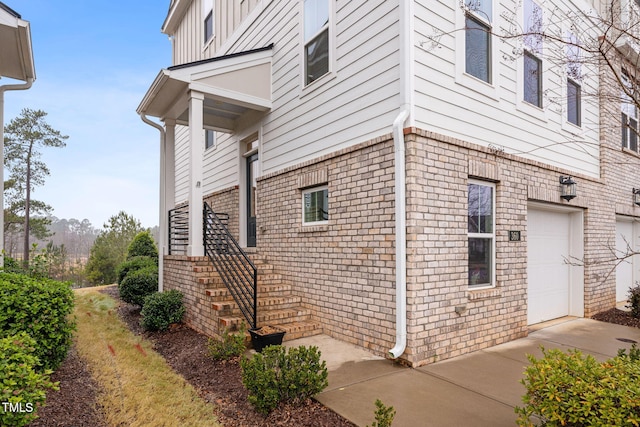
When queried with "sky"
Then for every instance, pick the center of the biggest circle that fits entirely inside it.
(94, 62)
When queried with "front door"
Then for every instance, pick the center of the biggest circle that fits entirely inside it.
(252, 172)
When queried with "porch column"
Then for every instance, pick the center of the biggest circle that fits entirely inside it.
(169, 180)
(196, 153)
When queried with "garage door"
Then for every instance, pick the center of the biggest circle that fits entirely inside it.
(624, 271)
(548, 275)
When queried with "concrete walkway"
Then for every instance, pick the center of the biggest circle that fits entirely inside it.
(478, 389)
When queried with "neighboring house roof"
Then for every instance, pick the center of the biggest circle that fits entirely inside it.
(15, 46)
(232, 85)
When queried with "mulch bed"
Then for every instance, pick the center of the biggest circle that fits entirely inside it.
(619, 317)
(218, 382)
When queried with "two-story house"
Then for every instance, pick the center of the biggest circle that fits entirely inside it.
(407, 176)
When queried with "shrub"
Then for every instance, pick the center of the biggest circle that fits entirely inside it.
(134, 264)
(383, 415)
(162, 309)
(573, 390)
(42, 308)
(142, 245)
(139, 284)
(22, 386)
(232, 345)
(276, 375)
(634, 300)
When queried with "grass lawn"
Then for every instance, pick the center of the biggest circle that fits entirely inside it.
(138, 387)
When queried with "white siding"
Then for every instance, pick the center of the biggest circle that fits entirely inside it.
(465, 111)
(356, 102)
(182, 164)
(221, 165)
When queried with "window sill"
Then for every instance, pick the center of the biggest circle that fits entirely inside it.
(630, 152)
(316, 84)
(313, 228)
(483, 293)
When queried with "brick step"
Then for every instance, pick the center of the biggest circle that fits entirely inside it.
(297, 330)
(270, 317)
(222, 293)
(216, 280)
(264, 303)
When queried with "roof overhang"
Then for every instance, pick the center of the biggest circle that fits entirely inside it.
(629, 49)
(233, 86)
(177, 9)
(15, 46)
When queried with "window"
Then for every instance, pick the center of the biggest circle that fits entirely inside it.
(207, 11)
(532, 78)
(478, 39)
(629, 119)
(481, 234)
(209, 139)
(574, 103)
(315, 206)
(574, 73)
(316, 39)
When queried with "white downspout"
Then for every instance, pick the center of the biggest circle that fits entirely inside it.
(3, 89)
(406, 96)
(163, 202)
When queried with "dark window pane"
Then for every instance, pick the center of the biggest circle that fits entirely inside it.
(477, 49)
(532, 80)
(480, 262)
(208, 27)
(480, 209)
(209, 140)
(317, 57)
(625, 131)
(574, 106)
(633, 135)
(316, 206)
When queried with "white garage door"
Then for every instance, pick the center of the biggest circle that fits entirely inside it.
(625, 242)
(548, 274)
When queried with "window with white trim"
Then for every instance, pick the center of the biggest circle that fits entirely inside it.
(207, 12)
(481, 234)
(532, 78)
(316, 39)
(629, 118)
(574, 76)
(209, 139)
(315, 205)
(478, 39)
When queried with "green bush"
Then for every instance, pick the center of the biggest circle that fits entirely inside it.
(634, 300)
(232, 345)
(142, 245)
(139, 284)
(42, 308)
(384, 415)
(22, 386)
(134, 264)
(276, 375)
(573, 390)
(161, 309)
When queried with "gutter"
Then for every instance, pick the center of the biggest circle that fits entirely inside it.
(3, 89)
(162, 200)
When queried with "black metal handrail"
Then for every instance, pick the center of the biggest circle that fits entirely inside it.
(178, 230)
(238, 273)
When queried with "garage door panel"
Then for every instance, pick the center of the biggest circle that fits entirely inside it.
(624, 271)
(548, 273)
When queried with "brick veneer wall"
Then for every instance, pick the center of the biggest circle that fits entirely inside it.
(227, 201)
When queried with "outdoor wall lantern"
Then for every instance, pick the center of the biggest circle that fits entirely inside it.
(567, 188)
(636, 196)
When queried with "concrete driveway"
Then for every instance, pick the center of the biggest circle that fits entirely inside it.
(478, 389)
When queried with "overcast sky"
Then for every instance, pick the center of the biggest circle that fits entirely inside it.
(94, 62)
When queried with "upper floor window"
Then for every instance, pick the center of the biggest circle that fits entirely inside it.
(574, 76)
(316, 39)
(209, 139)
(629, 119)
(207, 12)
(478, 39)
(532, 69)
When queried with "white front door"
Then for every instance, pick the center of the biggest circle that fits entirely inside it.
(625, 243)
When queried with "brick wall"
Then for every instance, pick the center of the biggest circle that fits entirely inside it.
(226, 201)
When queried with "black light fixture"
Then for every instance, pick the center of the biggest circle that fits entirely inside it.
(636, 196)
(567, 188)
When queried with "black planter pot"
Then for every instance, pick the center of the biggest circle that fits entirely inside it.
(259, 341)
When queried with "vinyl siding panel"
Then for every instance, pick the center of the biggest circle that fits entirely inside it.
(448, 106)
(356, 102)
(220, 168)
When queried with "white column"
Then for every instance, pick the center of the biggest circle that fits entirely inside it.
(196, 152)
